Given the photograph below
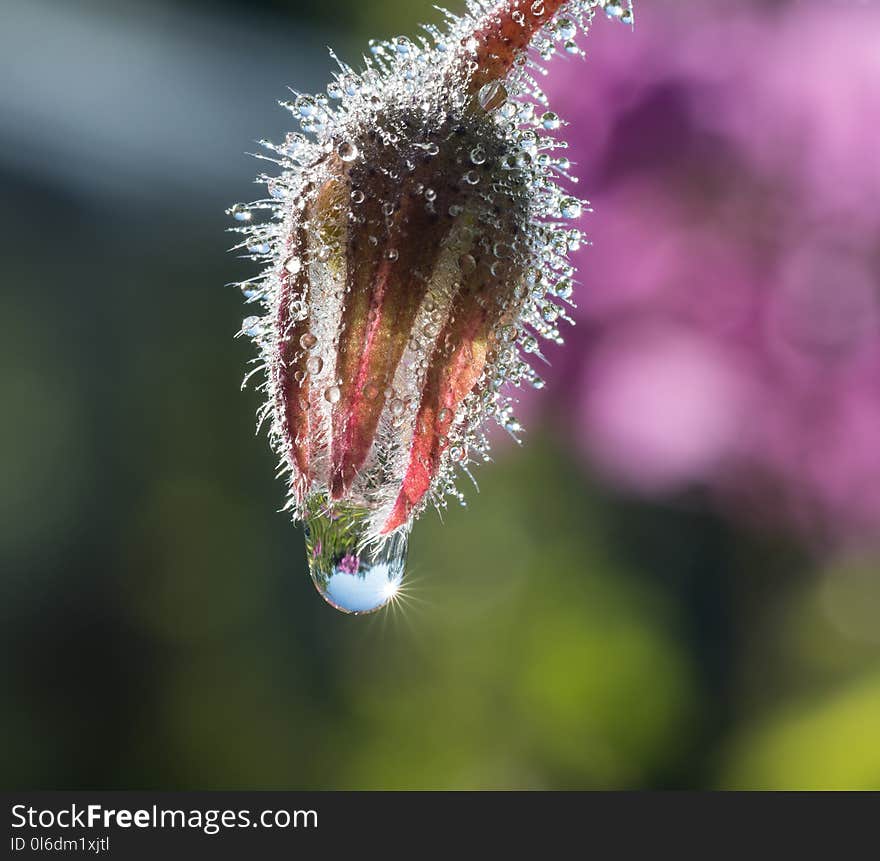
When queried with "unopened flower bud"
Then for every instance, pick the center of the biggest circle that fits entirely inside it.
(415, 240)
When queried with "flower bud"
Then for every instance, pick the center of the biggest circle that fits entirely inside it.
(415, 250)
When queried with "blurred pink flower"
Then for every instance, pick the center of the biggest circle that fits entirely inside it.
(729, 324)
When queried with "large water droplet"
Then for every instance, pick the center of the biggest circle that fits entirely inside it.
(349, 575)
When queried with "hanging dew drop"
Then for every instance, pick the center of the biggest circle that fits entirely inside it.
(550, 121)
(350, 574)
(241, 213)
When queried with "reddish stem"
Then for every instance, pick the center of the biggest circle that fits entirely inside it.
(505, 33)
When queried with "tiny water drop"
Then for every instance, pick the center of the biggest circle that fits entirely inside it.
(492, 96)
(569, 207)
(347, 151)
(566, 28)
(478, 155)
(350, 574)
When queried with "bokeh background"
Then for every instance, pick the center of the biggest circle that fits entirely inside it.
(673, 583)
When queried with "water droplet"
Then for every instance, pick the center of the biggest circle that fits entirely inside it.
(241, 213)
(347, 151)
(570, 207)
(478, 155)
(314, 365)
(392, 254)
(251, 325)
(293, 265)
(306, 106)
(550, 121)
(566, 28)
(396, 407)
(564, 288)
(350, 574)
(492, 96)
(357, 196)
(468, 263)
(403, 46)
(472, 177)
(332, 394)
(308, 341)
(430, 195)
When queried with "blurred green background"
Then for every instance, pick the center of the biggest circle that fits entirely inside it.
(159, 626)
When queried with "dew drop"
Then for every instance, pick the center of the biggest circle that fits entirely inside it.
(566, 28)
(478, 155)
(332, 394)
(308, 341)
(306, 106)
(550, 121)
(564, 289)
(315, 365)
(492, 96)
(472, 177)
(241, 213)
(250, 325)
(293, 265)
(357, 196)
(347, 151)
(350, 574)
(467, 263)
(570, 207)
(430, 195)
